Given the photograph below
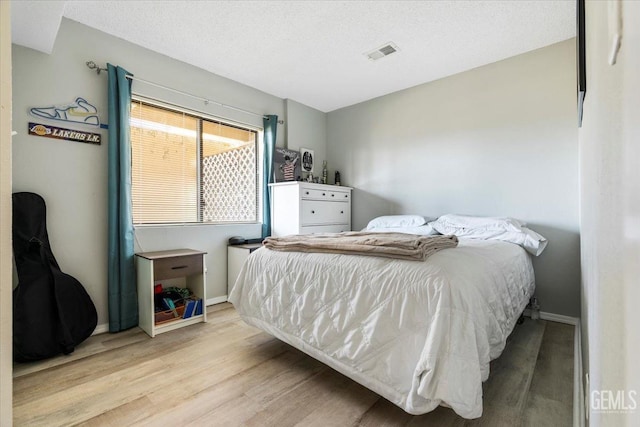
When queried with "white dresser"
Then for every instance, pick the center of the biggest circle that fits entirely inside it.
(303, 208)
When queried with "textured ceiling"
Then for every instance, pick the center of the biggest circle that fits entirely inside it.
(313, 51)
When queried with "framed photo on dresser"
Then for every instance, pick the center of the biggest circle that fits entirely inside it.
(307, 160)
(286, 165)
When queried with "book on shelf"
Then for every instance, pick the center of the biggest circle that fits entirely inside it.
(189, 308)
(198, 311)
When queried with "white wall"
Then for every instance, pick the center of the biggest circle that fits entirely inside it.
(6, 297)
(72, 177)
(498, 140)
(610, 211)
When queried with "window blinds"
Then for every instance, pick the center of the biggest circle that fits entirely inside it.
(188, 169)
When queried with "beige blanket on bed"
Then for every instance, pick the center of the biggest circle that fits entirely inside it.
(388, 245)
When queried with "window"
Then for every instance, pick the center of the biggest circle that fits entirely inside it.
(189, 168)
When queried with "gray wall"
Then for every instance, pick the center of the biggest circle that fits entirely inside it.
(498, 140)
(610, 212)
(307, 127)
(72, 177)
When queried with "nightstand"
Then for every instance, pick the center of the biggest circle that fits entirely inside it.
(182, 268)
(236, 256)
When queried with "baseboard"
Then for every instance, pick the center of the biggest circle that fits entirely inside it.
(104, 327)
(217, 300)
(101, 329)
(578, 387)
(552, 317)
(560, 318)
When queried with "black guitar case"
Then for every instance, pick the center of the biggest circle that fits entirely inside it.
(52, 312)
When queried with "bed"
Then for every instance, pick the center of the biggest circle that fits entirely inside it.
(420, 334)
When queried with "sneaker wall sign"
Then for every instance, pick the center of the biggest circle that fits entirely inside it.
(79, 112)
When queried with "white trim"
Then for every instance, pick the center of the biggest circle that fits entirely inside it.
(104, 327)
(578, 388)
(217, 300)
(560, 318)
(552, 317)
(101, 329)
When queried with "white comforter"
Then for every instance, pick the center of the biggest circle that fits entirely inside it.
(420, 334)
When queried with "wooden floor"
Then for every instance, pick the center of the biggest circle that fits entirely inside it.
(225, 373)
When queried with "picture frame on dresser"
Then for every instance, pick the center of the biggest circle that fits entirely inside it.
(307, 155)
(286, 165)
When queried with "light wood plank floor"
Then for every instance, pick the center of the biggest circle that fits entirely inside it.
(226, 373)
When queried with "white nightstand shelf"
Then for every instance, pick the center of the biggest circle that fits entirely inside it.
(179, 267)
(236, 256)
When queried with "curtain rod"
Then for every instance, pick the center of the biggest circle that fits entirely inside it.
(93, 66)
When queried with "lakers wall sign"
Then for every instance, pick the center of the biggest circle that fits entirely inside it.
(61, 133)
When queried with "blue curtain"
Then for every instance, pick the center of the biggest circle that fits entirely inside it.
(270, 130)
(123, 296)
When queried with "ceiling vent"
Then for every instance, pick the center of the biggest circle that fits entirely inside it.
(382, 51)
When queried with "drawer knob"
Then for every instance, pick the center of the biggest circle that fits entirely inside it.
(341, 211)
(307, 193)
(178, 267)
(332, 195)
(346, 195)
(313, 211)
(324, 194)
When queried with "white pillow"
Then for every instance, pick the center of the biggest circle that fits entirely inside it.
(528, 239)
(452, 221)
(422, 230)
(390, 221)
(491, 228)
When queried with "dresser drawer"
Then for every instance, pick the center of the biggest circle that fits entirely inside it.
(308, 193)
(170, 268)
(335, 228)
(319, 212)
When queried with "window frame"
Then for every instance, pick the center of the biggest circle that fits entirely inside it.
(200, 116)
